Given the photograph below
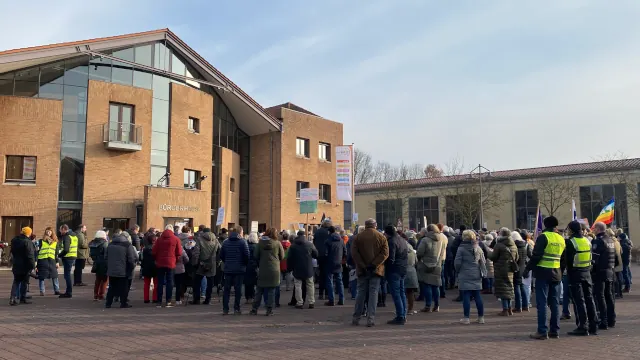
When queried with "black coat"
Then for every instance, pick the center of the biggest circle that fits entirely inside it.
(604, 258)
(334, 250)
(319, 239)
(396, 263)
(252, 266)
(23, 253)
(300, 258)
(121, 257)
(98, 253)
(148, 267)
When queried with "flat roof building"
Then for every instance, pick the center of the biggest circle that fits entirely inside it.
(140, 129)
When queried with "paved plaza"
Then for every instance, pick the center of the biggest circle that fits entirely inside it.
(79, 328)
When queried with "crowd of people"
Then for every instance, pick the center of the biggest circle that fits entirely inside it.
(579, 266)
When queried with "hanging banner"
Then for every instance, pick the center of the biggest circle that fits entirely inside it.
(254, 227)
(29, 168)
(344, 168)
(355, 217)
(220, 218)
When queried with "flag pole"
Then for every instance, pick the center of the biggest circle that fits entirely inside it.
(353, 186)
(535, 231)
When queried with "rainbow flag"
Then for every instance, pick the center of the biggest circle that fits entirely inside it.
(606, 215)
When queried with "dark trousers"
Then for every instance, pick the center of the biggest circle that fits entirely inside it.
(118, 287)
(165, 278)
(196, 288)
(250, 286)
(181, 285)
(270, 292)
(67, 264)
(19, 286)
(322, 277)
(77, 271)
(584, 306)
(234, 280)
(449, 274)
(603, 294)
(619, 282)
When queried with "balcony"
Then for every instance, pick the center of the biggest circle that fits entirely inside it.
(122, 136)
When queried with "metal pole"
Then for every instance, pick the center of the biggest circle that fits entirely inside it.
(481, 210)
(353, 186)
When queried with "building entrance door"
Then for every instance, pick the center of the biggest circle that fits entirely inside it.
(180, 222)
(112, 224)
(12, 226)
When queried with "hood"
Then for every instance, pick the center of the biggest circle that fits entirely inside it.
(268, 244)
(119, 238)
(97, 241)
(335, 237)
(265, 238)
(206, 236)
(469, 245)
(167, 234)
(300, 240)
(506, 240)
(285, 244)
(434, 236)
(520, 243)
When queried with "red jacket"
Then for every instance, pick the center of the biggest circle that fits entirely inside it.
(167, 250)
(283, 263)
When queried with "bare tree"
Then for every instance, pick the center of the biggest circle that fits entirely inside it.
(554, 193)
(623, 175)
(362, 167)
(432, 171)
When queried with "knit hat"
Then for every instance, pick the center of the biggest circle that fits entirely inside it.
(575, 227)
(27, 231)
(101, 235)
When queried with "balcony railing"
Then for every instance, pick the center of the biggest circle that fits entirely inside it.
(122, 136)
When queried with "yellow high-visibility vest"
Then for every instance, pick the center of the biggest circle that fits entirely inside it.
(553, 251)
(47, 251)
(73, 247)
(582, 258)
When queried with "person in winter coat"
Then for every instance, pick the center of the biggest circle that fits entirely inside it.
(251, 275)
(68, 254)
(268, 254)
(83, 255)
(134, 234)
(334, 252)
(166, 252)
(488, 281)
(522, 292)
(185, 235)
(449, 271)
(181, 276)
(395, 272)
(431, 253)
(121, 261)
(47, 266)
(148, 270)
(283, 264)
(98, 253)
(411, 284)
(300, 262)
(320, 237)
(626, 246)
(22, 252)
(618, 269)
(206, 256)
(504, 253)
(470, 265)
(235, 256)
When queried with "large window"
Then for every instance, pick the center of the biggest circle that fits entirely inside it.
(388, 212)
(594, 198)
(121, 122)
(463, 209)
(20, 169)
(299, 186)
(324, 152)
(526, 207)
(325, 193)
(302, 147)
(191, 179)
(419, 208)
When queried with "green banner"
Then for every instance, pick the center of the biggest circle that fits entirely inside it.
(308, 207)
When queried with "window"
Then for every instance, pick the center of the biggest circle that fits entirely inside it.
(232, 185)
(526, 207)
(21, 169)
(191, 179)
(419, 208)
(324, 151)
(194, 125)
(594, 198)
(388, 212)
(325, 193)
(299, 186)
(121, 122)
(12, 226)
(463, 209)
(302, 147)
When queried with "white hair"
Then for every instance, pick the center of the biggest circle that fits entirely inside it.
(515, 236)
(169, 227)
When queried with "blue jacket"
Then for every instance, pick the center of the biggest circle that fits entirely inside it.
(396, 263)
(235, 255)
(334, 250)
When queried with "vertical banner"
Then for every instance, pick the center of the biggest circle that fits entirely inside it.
(220, 218)
(344, 172)
(29, 168)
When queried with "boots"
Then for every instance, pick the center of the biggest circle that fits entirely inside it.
(13, 301)
(504, 312)
(510, 312)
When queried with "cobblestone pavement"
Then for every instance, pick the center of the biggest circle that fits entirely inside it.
(79, 328)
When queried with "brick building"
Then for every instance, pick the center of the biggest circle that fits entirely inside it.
(140, 129)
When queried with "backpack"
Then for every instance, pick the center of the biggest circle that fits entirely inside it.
(95, 251)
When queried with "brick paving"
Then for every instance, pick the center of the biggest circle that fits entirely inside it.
(79, 328)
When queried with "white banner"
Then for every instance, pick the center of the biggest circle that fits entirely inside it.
(309, 194)
(344, 167)
(29, 168)
(220, 218)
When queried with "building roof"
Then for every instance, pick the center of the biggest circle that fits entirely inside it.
(241, 104)
(292, 106)
(548, 171)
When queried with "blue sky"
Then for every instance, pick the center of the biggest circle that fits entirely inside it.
(508, 84)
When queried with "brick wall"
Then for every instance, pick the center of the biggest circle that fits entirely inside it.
(261, 205)
(31, 127)
(229, 168)
(114, 180)
(190, 204)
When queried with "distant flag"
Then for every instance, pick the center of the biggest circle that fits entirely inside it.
(574, 214)
(606, 215)
(538, 229)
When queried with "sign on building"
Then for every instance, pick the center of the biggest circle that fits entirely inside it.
(308, 200)
(344, 165)
(220, 219)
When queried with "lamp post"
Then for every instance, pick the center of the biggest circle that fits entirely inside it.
(479, 168)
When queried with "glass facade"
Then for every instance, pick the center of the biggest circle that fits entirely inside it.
(526, 207)
(462, 209)
(388, 212)
(594, 198)
(421, 207)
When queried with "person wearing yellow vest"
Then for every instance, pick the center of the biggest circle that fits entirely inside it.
(47, 265)
(547, 264)
(68, 255)
(578, 259)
